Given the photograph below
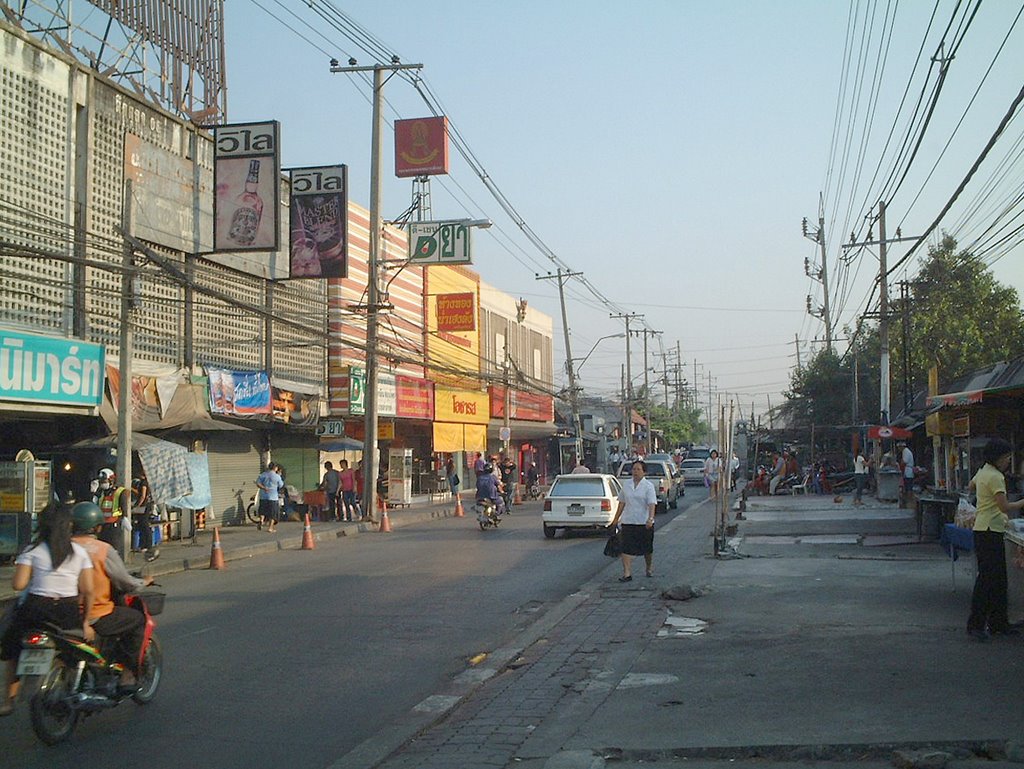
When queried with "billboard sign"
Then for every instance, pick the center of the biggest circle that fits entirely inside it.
(440, 243)
(246, 180)
(319, 218)
(456, 312)
(421, 146)
(41, 369)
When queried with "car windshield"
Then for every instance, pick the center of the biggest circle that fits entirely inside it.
(693, 463)
(653, 468)
(577, 487)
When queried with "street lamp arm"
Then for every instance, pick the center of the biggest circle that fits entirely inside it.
(586, 357)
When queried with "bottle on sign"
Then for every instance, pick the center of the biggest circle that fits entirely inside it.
(246, 219)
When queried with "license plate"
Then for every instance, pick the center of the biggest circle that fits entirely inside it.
(576, 510)
(35, 662)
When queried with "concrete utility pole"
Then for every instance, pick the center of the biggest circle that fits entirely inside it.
(821, 274)
(647, 388)
(124, 389)
(574, 402)
(627, 406)
(373, 306)
(796, 340)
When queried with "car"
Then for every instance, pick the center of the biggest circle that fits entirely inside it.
(699, 452)
(660, 474)
(692, 470)
(677, 477)
(580, 501)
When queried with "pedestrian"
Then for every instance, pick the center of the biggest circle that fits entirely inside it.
(270, 485)
(478, 464)
(57, 577)
(360, 481)
(331, 485)
(580, 468)
(860, 477)
(637, 504)
(142, 514)
(115, 502)
(614, 460)
(452, 476)
(907, 475)
(713, 472)
(989, 612)
(349, 507)
(734, 470)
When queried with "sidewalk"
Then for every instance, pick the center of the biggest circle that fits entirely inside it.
(832, 636)
(246, 541)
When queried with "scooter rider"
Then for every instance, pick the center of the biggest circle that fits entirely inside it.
(109, 574)
(487, 488)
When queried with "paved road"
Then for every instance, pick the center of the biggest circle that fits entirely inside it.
(295, 658)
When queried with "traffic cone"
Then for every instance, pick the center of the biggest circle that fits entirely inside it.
(458, 507)
(307, 536)
(385, 522)
(216, 553)
(517, 498)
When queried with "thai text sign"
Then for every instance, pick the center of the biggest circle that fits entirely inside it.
(527, 406)
(43, 369)
(246, 180)
(239, 393)
(415, 398)
(319, 218)
(456, 312)
(465, 406)
(440, 243)
(421, 146)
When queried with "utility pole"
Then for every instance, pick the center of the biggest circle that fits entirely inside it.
(627, 406)
(127, 348)
(821, 274)
(796, 339)
(908, 398)
(574, 402)
(647, 390)
(370, 458)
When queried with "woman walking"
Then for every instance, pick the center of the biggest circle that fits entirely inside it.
(636, 513)
(989, 600)
(56, 574)
(713, 472)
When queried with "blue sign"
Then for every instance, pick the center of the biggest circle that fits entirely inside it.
(43, 369)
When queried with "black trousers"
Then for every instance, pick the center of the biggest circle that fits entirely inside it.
(126, 625)
(989, 600)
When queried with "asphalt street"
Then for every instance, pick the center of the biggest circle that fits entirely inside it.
(299, 657)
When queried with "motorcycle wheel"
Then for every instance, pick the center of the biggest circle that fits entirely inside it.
(252, 512)
(151, 673)
(53, 720)
(483, 526)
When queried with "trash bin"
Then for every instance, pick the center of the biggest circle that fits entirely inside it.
(888, 484)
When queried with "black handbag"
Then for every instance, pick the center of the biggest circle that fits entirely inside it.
(613, 547)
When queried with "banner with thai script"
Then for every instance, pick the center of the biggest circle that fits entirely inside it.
(246, 180)
(415, 398)
(465, 406)
(529, 407)
(239, 393)
(41, 369)
(318, 213)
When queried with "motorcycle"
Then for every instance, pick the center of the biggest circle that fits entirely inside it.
(486, 514)
(70, 678)
(533, 491)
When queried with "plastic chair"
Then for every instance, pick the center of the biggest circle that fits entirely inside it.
(801, 488)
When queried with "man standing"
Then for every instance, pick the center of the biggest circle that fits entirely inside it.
(142, 512)
(331, 483)
(269, 484)
(907, 468)
(349, 507)
(113, 501)
(860, 477)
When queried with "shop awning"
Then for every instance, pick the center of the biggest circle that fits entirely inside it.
(949, 400)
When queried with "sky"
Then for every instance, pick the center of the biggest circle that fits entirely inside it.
(669, 150)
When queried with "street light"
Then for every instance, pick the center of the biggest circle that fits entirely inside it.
(586, 357)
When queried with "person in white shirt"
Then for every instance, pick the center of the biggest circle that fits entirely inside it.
(713, 472)
(580, 468)
(637, 504)
(860, 476)
(734, 470)
(907, 463)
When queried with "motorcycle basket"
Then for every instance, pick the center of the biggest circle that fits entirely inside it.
(154, 602)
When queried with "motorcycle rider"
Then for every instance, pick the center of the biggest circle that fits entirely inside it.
(508, 479)
(110, 574)
(487, 488)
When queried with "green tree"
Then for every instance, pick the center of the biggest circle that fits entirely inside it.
(819, 393)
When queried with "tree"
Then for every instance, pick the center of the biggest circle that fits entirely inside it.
(819, 393)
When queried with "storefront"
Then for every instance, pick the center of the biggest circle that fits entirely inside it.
(530, 425)
(460, 428)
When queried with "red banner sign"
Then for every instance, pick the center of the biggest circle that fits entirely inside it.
(882, 432)
(526, 406)
(456, 312)
(415, 398)
(421, 146)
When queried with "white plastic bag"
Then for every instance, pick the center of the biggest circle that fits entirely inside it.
(965, 513)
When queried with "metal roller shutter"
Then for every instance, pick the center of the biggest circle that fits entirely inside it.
(234, 465)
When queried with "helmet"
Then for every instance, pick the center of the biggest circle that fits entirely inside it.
(106, 474)
(488, 468)
(86, 516)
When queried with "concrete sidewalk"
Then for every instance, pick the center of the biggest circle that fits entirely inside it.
(246, 541)
(803, 650)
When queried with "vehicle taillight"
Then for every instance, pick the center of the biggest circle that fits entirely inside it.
(35, 639)
(606, 505)
(547, 505)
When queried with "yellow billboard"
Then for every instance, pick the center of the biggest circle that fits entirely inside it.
(453, 356)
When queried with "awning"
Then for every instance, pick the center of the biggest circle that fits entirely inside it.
(879, 432)
(949, 400)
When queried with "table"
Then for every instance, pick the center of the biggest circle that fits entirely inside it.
(942, 506)
(955, 540)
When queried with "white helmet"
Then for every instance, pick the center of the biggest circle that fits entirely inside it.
(106, 474)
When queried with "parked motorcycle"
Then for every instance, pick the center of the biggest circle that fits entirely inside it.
(70, 678)
(486, 514)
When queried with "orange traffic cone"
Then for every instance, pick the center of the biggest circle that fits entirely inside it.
(517, 498)
(385, 522)
(307, 536)
(216, 553)
(458, 507)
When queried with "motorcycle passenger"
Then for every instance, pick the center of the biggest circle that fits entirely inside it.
(487, 488)
(56, 575)
(109, 574)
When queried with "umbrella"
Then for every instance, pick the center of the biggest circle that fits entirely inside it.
(342, 444)
(110, 441)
